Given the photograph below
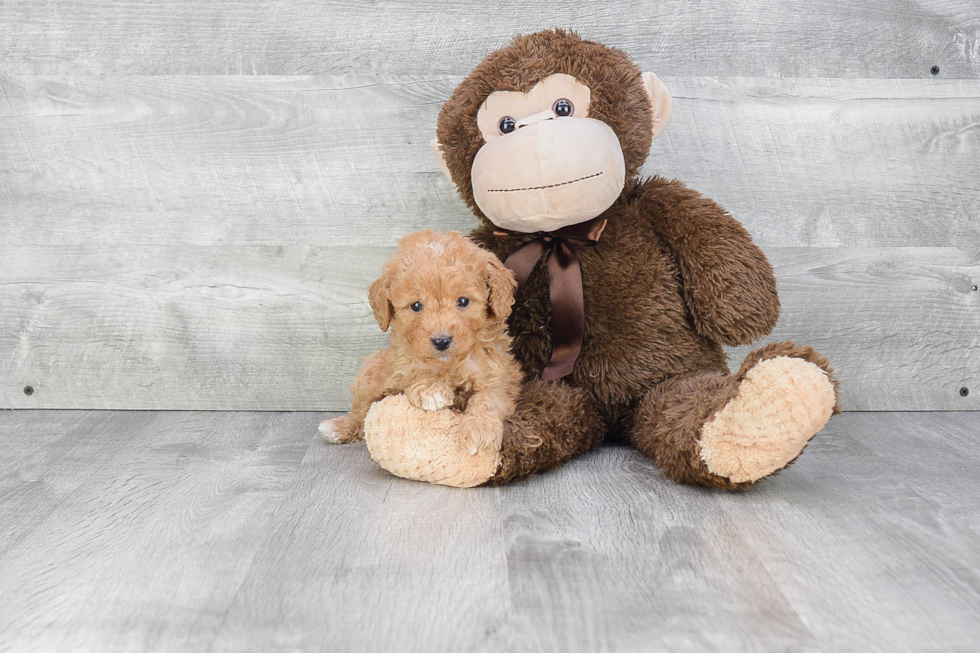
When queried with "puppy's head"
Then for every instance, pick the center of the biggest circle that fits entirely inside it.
(441, 294)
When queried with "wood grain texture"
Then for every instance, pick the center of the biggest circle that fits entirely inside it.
(901, 326)
(918, 470)
(189, 327)
(231, 531)
(204, 242)
(47, 456)
(609, 555)
(802, 38)
(267, 328)
(364, 561)
(134, 528)
(828, 163)
(307, 160)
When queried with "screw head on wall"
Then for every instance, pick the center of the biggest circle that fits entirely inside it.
(28, 390)
(964, 392)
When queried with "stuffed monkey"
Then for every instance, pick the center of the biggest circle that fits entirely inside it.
(628, 287)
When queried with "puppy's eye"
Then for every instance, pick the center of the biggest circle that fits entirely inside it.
(563, 108)
(463, 302)
(507, 125)
(417, 307)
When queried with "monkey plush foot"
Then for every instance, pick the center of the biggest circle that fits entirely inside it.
(781, 403)
(424, 445)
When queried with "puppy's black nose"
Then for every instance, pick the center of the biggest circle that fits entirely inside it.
(442, 342)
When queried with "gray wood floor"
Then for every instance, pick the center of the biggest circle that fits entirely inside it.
(243, 531)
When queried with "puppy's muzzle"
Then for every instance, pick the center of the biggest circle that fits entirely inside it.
(442, 343)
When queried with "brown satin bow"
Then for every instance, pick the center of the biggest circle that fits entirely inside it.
(565, 285)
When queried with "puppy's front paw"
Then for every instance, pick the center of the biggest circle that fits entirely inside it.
(436, 401)
(340, 430)
(430, 398)
(484, 433)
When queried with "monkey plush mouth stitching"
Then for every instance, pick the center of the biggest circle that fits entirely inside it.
(563, 183)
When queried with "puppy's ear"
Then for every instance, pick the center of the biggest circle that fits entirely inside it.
(501, 284)
(380, 304)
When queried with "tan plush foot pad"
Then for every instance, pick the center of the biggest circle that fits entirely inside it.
(781, 403)
(424, 445)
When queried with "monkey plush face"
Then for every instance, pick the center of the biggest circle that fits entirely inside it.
(545, 163)
(545, 132)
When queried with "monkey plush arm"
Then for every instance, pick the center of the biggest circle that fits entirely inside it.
(728, 283)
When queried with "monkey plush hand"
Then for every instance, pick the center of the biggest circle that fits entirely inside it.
(627, 288)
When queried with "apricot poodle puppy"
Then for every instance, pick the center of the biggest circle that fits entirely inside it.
(447, 301)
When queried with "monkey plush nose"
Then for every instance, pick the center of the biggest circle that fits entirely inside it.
(536, 117)
(442, 342)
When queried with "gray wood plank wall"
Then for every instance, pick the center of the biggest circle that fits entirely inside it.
(194, 196)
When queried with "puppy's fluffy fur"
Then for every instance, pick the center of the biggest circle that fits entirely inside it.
(437, 287)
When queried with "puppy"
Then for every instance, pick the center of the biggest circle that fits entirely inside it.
(447, 302)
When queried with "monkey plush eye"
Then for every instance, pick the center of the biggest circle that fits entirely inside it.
(563, 108)
(463, 302)
(507, 125)
(417, 307)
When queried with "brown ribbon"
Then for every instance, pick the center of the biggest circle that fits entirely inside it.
(565, 284)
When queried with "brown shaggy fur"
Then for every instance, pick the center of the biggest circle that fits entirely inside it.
(673, 278)
(565, 414)
(476, 372)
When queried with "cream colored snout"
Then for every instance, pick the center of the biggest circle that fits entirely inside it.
(548, 173)
(537, 117)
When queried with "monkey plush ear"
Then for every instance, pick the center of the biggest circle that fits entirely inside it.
(660, 102)
(440, 157)
(501, 284)
(378, 297)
